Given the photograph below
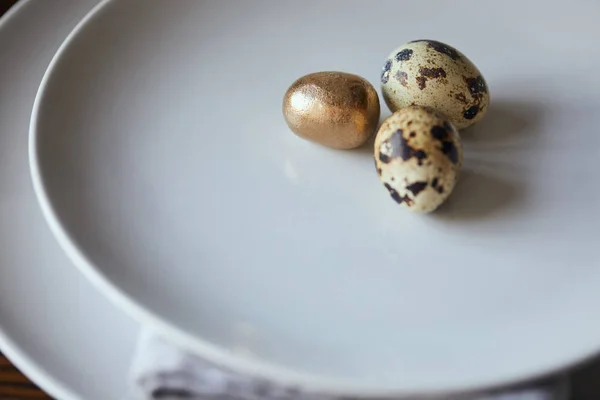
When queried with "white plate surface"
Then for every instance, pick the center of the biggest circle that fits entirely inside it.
(167, 172)
(54, 325)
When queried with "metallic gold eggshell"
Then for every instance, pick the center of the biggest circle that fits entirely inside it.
(335, 109)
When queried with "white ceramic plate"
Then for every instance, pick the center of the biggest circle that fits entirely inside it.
(53, 324)
(166, 171)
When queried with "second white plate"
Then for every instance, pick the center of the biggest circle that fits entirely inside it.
(55, 326)
(165, 169)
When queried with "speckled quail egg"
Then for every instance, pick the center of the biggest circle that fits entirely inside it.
(434, 74)
(335, 109)
(418, 155)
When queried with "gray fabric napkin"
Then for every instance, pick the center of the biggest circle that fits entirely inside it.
(161, 371)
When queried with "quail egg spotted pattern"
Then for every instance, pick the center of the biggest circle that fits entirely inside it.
(418, 156)
(436, 75)
(432, 89)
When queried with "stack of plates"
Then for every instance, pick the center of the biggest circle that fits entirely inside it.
(167, 188)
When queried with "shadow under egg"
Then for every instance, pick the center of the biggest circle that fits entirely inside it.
(480, 195)
(508, 123)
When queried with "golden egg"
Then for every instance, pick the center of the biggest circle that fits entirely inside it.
(335, 109)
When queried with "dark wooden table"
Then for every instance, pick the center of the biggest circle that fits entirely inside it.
(15, 386)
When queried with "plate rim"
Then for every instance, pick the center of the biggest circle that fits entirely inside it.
(13, 352)
(204, 348)
(9, 349)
